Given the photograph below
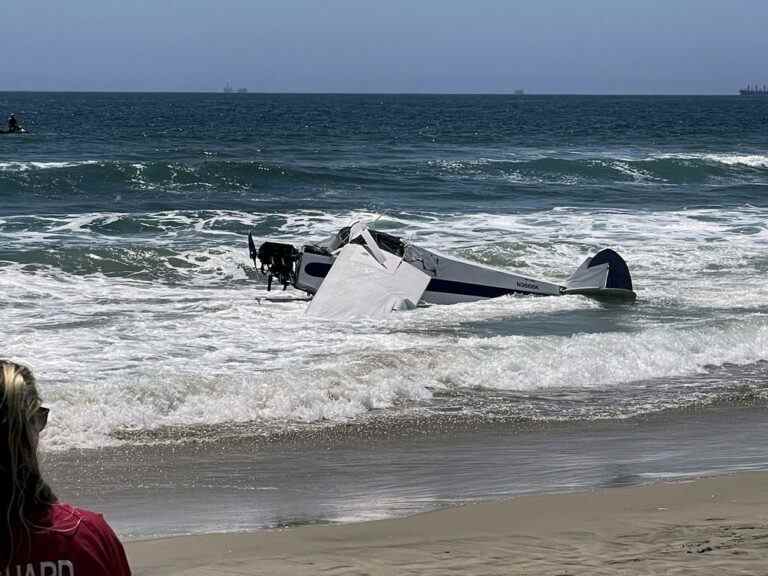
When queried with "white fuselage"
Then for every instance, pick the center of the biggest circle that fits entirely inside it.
(453, 279)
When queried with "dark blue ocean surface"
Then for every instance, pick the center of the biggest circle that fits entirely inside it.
(152, 152)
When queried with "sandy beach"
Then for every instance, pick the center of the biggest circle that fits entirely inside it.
(714, 525)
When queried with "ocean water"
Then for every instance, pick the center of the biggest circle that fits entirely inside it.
(127, 286)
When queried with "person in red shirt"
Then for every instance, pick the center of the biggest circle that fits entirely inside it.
(40, 536)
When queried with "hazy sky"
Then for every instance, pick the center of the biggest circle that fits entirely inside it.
(550, 46)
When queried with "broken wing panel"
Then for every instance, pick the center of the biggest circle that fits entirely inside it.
(358, 286)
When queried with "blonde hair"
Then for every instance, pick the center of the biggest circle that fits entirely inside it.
(23, 493)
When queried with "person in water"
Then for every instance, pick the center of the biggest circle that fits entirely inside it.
(13, 124)
(38, 534)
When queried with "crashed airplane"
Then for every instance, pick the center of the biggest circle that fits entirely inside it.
(363, 273)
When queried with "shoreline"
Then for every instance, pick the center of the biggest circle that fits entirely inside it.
(701, 526)
(243, 485)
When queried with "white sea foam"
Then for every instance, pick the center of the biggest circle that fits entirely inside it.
(752, 160)
(616, 157)
(34, 165)
(209, 366)
(728, 159)
(633, 172)
(116, 353)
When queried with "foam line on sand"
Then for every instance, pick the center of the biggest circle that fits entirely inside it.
(713, 525)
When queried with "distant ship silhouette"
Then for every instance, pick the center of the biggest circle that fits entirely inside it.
(228, 89)
(754, 90)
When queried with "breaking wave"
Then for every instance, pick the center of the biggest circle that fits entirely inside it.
(657, 169)
(68, 180)
(177, 330)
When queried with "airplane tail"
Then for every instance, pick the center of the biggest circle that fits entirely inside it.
(604, 276)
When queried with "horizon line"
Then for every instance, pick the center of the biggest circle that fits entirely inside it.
(361, 93)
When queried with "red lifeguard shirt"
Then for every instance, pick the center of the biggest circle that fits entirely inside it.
(69, 541)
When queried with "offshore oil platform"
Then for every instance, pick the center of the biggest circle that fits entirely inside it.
(754, 90)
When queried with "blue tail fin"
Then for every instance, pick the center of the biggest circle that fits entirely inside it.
(618, 272)
(605, 275)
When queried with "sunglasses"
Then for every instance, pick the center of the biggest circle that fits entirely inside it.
(41, 416)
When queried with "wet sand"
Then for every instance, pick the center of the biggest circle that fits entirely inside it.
(708, 526)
